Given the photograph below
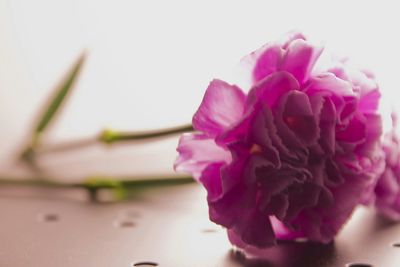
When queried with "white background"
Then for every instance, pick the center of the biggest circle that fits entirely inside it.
(150, 61)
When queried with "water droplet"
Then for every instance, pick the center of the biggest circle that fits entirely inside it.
(145, 264)
(49, 217)
(209, 231)
(301, 240)
(359, 265)
(125, 224)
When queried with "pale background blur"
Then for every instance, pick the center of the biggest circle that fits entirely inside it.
(150, 61)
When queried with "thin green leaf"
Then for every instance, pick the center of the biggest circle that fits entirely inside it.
(60, 93)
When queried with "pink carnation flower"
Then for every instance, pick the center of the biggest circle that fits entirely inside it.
(387, 190)
(292, 157)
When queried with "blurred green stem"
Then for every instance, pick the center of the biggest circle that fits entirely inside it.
(111, 137)
(51, 108)
(95, 183)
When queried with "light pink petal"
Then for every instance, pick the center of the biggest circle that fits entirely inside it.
(266, 59)
(363, 84)
(361, 81)
(339, 91)
(328, 82)
(355, 131)
(349, 108)
(267, 62)
(222, 106)
(283, 232)
(290, 37)
(369, 102)
(300, 58)
(196, 152)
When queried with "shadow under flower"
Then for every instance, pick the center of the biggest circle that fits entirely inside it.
(367, 230)
(288, 253)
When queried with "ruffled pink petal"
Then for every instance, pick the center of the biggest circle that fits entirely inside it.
(256, 230)
(363, 84)
(300, 58)
(355, 132)
(299, 117)
(210, 178)
(387, 189)
(267, 59)
(340, 92)
(361, 81)
(301, 197)
(222, 106)
(196, 152)
(327, 126)
(267, 126)
(289, 138)
(346, 197)
(264, 136)
(373, 131)
(261, 171)
(388, 195)
(269, 90)
(349, 108)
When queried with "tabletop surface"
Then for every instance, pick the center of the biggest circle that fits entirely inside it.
(164, 226)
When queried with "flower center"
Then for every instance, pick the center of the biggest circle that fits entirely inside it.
(255, 149)
(292, 122)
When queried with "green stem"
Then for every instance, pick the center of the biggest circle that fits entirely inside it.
(37, 182)
(97, 182)
(51, 109)
(119, 187)
(110, 136)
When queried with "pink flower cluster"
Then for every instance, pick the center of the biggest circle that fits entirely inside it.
(294, 154)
